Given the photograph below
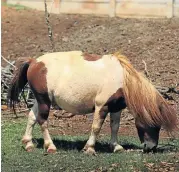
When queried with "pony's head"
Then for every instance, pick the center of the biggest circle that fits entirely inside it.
(149, 136)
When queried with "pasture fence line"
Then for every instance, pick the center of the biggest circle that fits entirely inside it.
(112, 8)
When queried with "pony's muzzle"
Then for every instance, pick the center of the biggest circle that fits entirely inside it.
(149, 147)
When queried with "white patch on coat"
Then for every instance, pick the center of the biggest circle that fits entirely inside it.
(77, 84)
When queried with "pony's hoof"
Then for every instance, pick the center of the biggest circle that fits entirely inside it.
(29, 147)
(116, 148)
(89, 151)
(51, 149)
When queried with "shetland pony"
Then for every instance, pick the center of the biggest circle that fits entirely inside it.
(83, 83)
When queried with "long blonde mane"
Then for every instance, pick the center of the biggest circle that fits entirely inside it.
(144, 101)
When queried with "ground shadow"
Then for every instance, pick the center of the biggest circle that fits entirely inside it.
(79, 144)
(167, 148)
(101, 147)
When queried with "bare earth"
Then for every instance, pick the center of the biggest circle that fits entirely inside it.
(156, 41)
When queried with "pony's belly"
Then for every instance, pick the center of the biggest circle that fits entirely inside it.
(75, 91)
(75, 106)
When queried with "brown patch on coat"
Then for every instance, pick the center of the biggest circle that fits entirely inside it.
(116, 102)
(116, 95)
(91, 57)
(36, 76)
(44, 107)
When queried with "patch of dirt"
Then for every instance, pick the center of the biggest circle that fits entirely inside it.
(156, 41)
(81, 124)
(164, 166)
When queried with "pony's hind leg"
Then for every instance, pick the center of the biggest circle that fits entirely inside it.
(32, 119)
(44, 108)
(114, 124)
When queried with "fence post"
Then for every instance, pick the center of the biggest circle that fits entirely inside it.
(169, 8)
(112, 8)
(56, 3)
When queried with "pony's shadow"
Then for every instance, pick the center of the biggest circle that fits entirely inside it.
(163, 148)
(79, 145)
(101, 147)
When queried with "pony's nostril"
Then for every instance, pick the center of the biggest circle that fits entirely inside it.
(149, 148)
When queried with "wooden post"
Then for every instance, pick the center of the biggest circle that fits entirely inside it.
(112, 8)
(169, 8)
(56, 3)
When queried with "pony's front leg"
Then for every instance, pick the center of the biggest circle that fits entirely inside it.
(32, 119)
(114, 124)
(98, 119)
(42, 120)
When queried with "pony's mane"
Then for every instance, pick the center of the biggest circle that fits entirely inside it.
(142, 98)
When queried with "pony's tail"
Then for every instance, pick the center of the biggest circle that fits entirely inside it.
(144, 101)
(19, 81)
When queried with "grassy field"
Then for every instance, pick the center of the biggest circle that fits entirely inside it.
(70, 158)
(15, 6)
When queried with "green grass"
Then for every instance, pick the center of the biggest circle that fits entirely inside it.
(70, 158)
(15, 6)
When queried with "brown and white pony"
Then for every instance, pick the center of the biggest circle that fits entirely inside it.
(83, 83)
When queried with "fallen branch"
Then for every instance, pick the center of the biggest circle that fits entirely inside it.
(8, 61)
(146, 73)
